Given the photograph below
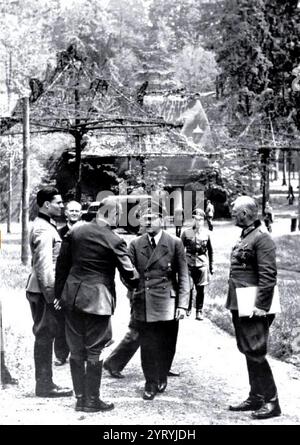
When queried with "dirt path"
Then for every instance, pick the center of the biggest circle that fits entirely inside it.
(213, 374)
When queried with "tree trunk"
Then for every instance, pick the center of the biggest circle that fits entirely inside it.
(25, 183)
(298, 190)
(276, 171)
(283, 168)
(289, 154)
(265, 178)
(10, 159)
(78, 140)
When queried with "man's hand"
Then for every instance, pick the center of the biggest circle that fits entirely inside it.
(258, 312)
(211, 269)
(180, 313)
(57, 304)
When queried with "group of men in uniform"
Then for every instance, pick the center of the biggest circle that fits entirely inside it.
(76, 276)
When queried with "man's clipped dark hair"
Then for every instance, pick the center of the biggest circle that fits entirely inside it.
(46, 194)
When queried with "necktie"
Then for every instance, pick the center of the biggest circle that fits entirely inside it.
(153, 243)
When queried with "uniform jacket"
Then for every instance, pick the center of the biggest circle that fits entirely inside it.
(164, 281)
(86, 267)
(253, 263)
(45, 245)
(199, 252)
(210, 210)
(63, 231)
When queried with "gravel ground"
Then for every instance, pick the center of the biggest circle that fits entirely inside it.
(213, 374)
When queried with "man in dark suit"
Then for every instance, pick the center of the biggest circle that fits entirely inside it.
(253, 263)
(160, 299)
(72, 213)
(90, 255)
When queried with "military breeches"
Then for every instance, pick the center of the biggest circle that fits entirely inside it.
(45, 326)
(252, 337)
(87, 334)
(45, 318)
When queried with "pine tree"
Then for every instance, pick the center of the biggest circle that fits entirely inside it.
(259, 48)
(155, 65)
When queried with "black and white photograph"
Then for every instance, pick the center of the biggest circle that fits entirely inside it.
(150, 215)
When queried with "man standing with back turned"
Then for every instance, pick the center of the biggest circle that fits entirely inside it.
(88, 258)
(253, 263)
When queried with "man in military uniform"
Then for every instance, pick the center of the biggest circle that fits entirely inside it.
(253, 263)
(88, 258)
(45, 245)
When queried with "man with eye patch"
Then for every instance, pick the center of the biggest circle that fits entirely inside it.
(253, 263)
(45, 244)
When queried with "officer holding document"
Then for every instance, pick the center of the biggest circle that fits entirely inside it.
(253, 265)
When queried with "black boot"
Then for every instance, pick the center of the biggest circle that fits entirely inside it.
(43, 367)
(256, 396)
(252, 403)
(266, 381)
(78, 378)
(269, 409)
(43, 372)
(6, 378)
(93, 404)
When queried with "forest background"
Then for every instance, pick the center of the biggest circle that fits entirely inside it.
(242, 55)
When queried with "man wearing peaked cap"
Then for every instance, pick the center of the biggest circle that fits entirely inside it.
(122, 354)
(198, 214)
(150, 206)
(160, 298)
(199, 252)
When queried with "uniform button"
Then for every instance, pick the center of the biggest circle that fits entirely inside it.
(147, 288)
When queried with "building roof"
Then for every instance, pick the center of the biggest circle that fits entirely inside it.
(166, 124)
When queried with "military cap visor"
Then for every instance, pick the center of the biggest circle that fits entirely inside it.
(152, 211)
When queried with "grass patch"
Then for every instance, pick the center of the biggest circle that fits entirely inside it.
(284, 340)
(216, 293)
(13, 273)
(285, 329)
(288, 252)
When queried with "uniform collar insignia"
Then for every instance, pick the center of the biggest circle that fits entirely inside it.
(250, 228)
